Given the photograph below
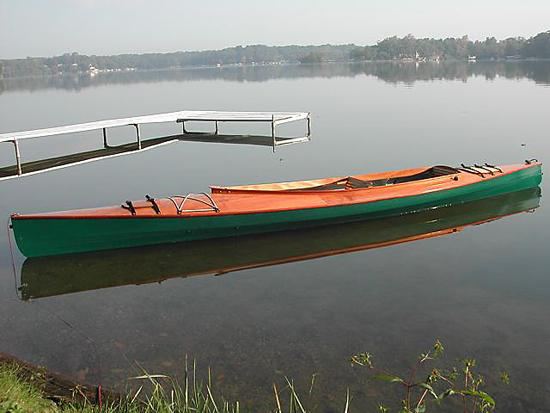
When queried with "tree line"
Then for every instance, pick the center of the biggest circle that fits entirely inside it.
(392, 48)
(457, 48)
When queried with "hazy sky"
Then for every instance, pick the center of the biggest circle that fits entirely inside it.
(52, 27)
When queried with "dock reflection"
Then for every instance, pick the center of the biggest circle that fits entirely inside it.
(57, 275)
(51, 163)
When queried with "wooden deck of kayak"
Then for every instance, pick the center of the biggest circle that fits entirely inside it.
(269, 198)
(20, 168)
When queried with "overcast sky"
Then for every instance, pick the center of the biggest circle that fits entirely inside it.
(53, 27)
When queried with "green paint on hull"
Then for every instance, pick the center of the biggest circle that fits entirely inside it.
(42, 237)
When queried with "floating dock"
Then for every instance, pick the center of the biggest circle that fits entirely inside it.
(20, 168)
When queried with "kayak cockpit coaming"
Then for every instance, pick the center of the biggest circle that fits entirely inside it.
(387, 179)
(325, 184)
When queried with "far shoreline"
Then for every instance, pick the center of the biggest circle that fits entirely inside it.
(269, 64)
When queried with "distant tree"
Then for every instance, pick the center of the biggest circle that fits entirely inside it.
(313, 57)
(538, 46)
(513, 46)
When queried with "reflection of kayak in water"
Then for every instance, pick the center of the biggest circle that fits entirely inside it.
(252, 209)
(49, 276)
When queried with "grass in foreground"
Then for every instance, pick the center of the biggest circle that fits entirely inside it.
(20, 393)
(17, 395)
(164, 395)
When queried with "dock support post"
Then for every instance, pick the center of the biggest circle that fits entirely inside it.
(273, 132)
(308, 125)
(105, 144)
(216, 130)
(138, 136)
(183, 131)
(17, 157)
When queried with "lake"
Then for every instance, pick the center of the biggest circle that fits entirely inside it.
(294, 304)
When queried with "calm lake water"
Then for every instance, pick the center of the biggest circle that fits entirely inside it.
(484, 291)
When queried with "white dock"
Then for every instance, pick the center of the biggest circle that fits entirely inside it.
(217, 117)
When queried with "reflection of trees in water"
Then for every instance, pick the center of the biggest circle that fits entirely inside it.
(409, 73)
(392, 72)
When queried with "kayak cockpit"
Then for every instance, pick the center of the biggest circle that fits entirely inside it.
(347, 182)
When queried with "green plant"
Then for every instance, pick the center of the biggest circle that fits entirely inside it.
(436, 385)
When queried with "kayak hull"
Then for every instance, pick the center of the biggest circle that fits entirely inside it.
(52, 236)
(57, 275)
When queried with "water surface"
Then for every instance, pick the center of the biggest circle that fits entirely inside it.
(484, 291)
